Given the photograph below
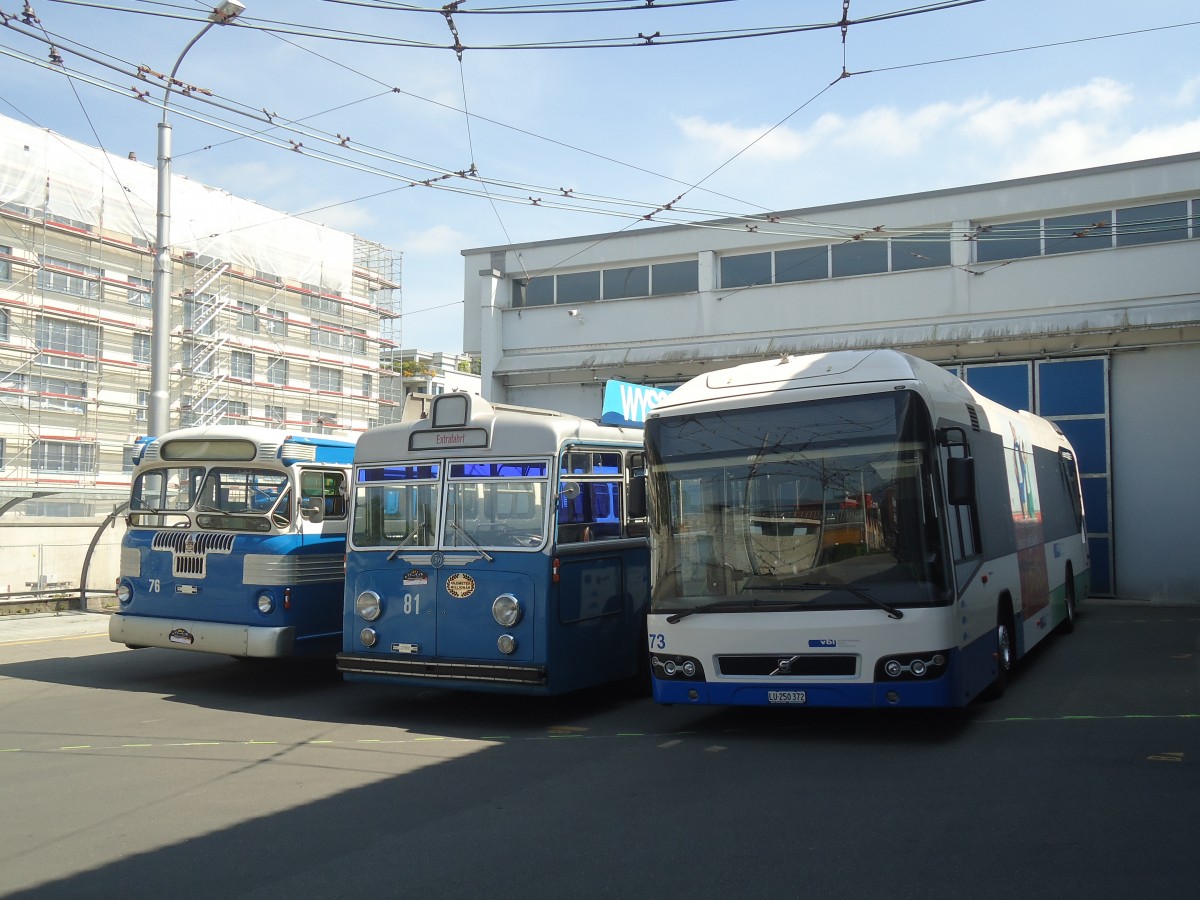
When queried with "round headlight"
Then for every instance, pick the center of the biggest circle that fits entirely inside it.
(368, 605)
(368, 637)
(266, 603)
(893, 668)
(124, 592)
(689, 668)
(917, 667)
(506, 644)
(506, 610)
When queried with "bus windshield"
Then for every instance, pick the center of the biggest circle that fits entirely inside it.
(225, 499)
(500, 504)
(824, 504)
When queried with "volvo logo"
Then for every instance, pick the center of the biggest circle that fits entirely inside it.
(784, 667)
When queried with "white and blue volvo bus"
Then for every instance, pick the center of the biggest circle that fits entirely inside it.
(491, 549)
(854, 529)
(236, 543)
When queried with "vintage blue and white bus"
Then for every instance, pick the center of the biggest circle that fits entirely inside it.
(236, 543)
(491, 550)
(853, 529)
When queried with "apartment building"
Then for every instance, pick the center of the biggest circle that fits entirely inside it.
(274, 320)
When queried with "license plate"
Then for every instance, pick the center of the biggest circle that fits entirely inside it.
(787, 697)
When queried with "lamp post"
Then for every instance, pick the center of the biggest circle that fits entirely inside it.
(160, 291)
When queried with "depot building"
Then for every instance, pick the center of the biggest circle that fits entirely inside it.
(1075, 296)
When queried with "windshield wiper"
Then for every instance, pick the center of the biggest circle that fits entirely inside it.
(716, 606)
(761, 603)
(861, 593)
(470, 540)
(402, 545)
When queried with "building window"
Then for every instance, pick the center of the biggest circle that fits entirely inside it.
(275, 415)
(247, 318)
(1153, 223)
(578, 287)
(63, 456)
(1088, 231)
(633, 281)
(235, 411)
(322, 378)
(199, 316)
(63, 336)
(127, 457)
(58, 393)
(675, 278)
(1012, 240)
(141, 348)
(241, 365)
(802, 264)
(275, 323)
(537, 291)
(859, 258)
(367, 385)
(139, 291)
(197, 359)
(277, 371)
(143, 404)
(78, 280)
(4, 324)
(5, 264)
(920, 251)
(317, 303)
(745, 270)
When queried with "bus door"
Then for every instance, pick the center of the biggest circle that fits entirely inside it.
(597, 577)
(490, 590)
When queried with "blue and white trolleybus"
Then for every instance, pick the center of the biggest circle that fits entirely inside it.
(857, 529)
(236, 543)
(491, 550)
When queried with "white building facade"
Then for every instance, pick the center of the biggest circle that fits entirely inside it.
(274, 320)
(1074, 295)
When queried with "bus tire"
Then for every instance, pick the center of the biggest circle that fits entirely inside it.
(1067, 625)
(1005, 652)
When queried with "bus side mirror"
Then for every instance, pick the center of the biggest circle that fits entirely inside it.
(313, 509)
(960, 480)
(636, 501)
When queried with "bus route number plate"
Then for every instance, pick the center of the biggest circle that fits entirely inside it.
(787, 697)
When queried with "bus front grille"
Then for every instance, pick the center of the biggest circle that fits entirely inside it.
(784, 666)
(451, 671)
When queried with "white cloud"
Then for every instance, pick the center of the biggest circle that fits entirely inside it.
(1075, 145)
(1009, 120)
(438, 239)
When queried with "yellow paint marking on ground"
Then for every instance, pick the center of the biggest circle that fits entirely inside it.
(1165, 757)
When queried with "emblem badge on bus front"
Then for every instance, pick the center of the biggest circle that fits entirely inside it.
(460, 585)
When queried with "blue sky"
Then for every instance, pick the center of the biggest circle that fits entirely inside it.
(957, 95)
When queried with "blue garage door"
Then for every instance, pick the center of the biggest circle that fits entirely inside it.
(1074, 394)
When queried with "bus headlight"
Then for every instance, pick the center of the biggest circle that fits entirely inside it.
(506, 610)
(265, 602)
(368, 637)
(368, 605)
(124, 592)
(913, 666)
(506, 644)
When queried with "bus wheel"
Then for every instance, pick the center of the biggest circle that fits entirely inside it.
(1067, 625)
(1005, 655)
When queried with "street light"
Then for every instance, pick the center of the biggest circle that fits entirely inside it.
(160, 302)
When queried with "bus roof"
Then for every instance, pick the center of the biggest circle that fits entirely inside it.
(460, 424)
(199, 443)
(851, 370)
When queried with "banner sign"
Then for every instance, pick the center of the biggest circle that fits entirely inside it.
(629, 404)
